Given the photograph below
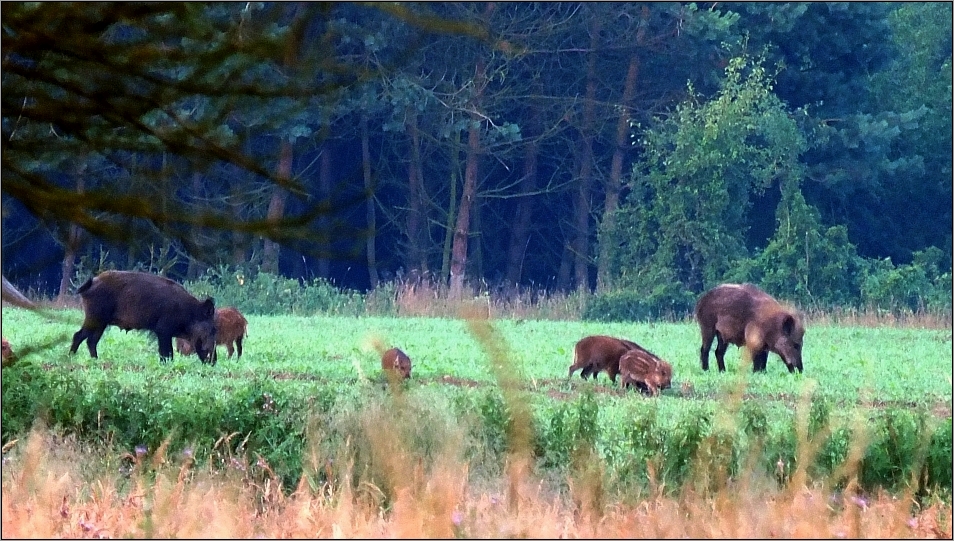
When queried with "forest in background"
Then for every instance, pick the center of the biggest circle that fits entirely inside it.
(647, 149)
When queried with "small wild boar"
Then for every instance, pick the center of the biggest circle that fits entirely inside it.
(143, 301)
(745, 315)
(7, 355)
(395, 361)
(597, 353)
(646, 371)
(230, 327)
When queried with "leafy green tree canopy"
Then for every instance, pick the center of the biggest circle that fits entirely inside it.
(684, 221)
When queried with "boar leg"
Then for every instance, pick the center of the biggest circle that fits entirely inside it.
(759, 360)
(612, 371)
(706, 345)
(229, 348)
(78, 338)
(720, 352)
(587, 370)
(93, 340)
(574, 367)
(91, 335)
(238, 346)
(165, 347)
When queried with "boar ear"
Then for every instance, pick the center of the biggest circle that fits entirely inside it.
(788, 325)
(208, 307)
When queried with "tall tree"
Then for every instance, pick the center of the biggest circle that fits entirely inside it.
(140, 85)
(469, 191)
(123, 82)
(830, 54)
(683, 224)
(581, 207)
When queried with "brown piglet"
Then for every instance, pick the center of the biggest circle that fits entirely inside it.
(230, 327)
(596, 353)
(644, 370)
(397, 362)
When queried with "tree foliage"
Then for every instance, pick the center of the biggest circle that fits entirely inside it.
(685, 219)
(363, 137)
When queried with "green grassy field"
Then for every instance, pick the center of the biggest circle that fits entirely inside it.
(850, 364)
(297, 369)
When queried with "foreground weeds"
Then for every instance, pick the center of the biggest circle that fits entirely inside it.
(55, 489)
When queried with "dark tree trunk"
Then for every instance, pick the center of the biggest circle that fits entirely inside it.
(416, 215)
(73, 241)
(239, 239)
(520, 233)
(276, 206)
(462, 229)
(451, 218)
(276, 209)
(195, 267)
(581, 207)
(566, 264)
(324, 192)
(369, 204)
(614, 182)
(468, 195)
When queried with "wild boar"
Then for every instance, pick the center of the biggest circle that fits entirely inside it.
(230, 327)
(597, 353)
(142, 301)
(394, 361)
(7, 356)
(745, 315)
(644, 370)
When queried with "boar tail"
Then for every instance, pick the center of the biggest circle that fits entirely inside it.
(86, 285)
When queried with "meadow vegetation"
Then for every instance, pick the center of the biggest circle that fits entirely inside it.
(304, 436)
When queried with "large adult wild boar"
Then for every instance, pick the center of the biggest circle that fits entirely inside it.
(745, 315)
(597, 353)
(142, 301)
(641, 368)
(230, 327)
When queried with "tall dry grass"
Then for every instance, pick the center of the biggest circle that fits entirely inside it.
(874, 317)
(430, 299)
(426, 298)
(60, 490)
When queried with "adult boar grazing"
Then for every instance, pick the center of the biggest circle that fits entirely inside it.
(396, 362)
(638, 367)
(142, 301)
(745, 315)
(230, 327)
(597, 353)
